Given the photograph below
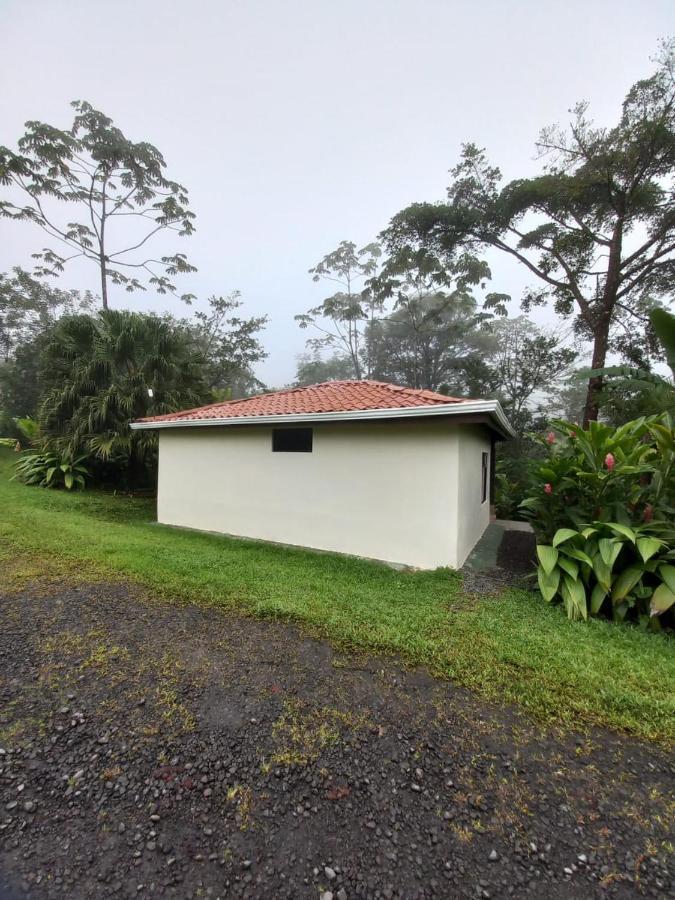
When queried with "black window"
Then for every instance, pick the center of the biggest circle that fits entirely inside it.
(292, 440)
(484, 477)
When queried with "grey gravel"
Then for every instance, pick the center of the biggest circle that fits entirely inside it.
(267, 764)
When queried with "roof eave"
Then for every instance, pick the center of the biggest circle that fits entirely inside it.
(490, 407)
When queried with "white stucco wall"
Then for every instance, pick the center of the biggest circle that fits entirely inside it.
(473, 515)
(385, 490)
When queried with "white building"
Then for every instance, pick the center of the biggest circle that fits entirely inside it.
(358, 467)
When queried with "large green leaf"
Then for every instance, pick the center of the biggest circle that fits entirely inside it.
(548, 584)
(68, 480)
(648, 546)
(662, 599)
(603, 573)
(562, 535)
(574, 595)
(569, 566)
(609, 550)
(623, 529)
(667, 573)
(597, 598)
(663, 323)
(578, 554)
(625, 582)
(548, 557)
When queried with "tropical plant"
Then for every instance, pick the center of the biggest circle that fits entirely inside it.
(604, 473)
(610, 568)
(52, 469)
(602, 509)
(99, 175)
(101, 372)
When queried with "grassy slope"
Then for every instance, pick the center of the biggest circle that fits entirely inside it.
(513, 648)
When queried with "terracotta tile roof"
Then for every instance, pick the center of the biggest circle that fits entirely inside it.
(331, 396)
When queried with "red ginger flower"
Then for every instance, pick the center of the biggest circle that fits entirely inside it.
(550, 438)
(548, 489)
(609, 461)
(648, 514)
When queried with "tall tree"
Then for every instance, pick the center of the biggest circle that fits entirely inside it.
(116, 195)
(434, 329)
(342, 318)
(28, 306)
(314, 369)
(28, 310)
(229, 344)
(596, 228)
(527, 360)
(429, 342)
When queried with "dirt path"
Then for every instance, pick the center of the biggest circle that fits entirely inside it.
(158, 750)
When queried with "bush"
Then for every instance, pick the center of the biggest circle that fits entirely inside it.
(52, 469)
(602, 508)
(610, 569)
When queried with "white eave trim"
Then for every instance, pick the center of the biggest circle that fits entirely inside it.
(491, 408)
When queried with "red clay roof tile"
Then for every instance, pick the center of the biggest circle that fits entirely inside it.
(331, 396)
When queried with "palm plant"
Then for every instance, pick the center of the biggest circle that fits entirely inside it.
(102, 372)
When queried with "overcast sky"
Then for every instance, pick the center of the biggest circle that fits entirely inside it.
(298, 124)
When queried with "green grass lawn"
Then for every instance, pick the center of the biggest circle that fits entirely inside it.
(512, 648)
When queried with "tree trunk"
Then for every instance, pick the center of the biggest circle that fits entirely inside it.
(601, 340)
(602, 324)
(104, 283)
(101, 247)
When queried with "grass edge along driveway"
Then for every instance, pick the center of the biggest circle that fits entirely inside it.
(509, 648)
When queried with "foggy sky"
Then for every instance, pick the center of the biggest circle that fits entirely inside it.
(295, 125)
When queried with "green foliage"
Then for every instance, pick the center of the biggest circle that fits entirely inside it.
(28, 309)
(606, 568)
(101, 372)
(52, 470)
(341, 318)
(602, 507)
(596, 227)
(623, 474)
(313, 369)
(94, 171)
(430, 339)
(663, 324)
(28, 429)
(641, 385)
(228, 344)
(527, 359)
(507, 649)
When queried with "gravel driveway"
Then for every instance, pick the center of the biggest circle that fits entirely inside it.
(151, 749)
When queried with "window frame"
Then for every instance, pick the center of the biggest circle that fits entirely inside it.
(279, 445)
(485, 477)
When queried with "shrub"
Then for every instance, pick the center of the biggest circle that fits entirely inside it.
(605, 474)
(609, 568)
(51, 469)
(602, 507)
